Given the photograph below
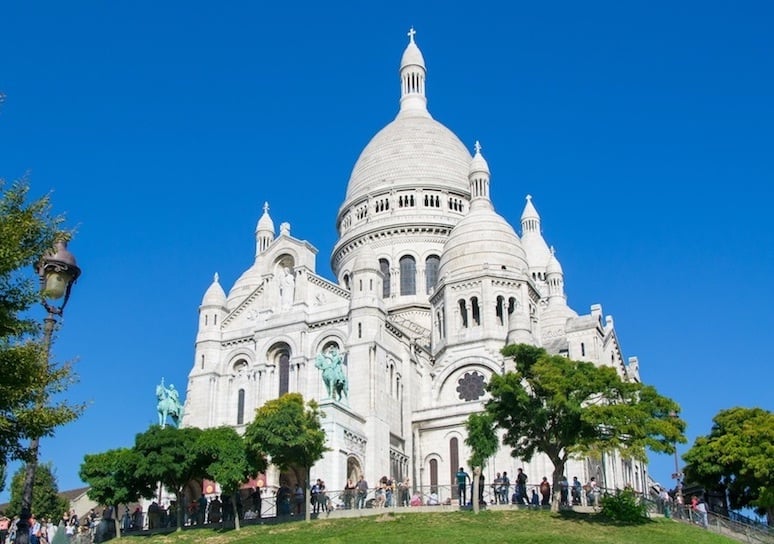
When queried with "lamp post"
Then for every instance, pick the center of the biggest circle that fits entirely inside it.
(677, 475)
(57, 273)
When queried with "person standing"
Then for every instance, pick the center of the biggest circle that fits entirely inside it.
(521, 487)
(545, 492)
(362, 492)
(462, 481)
(577, 487)
(505, 488)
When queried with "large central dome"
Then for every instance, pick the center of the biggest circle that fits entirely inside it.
(413, 150)
(409, 187)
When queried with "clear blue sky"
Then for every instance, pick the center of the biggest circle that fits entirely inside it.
(643, 130)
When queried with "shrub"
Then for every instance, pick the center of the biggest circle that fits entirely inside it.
(623, 507)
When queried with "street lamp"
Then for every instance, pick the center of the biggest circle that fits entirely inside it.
(57, 272)
(677, 475)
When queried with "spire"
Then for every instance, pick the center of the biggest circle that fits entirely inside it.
(530, 220)
(479, 178)
(412, 80)
(264, 231)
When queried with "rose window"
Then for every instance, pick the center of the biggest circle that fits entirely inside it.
(471, 386)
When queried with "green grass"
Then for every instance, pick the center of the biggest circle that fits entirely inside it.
(529, 527)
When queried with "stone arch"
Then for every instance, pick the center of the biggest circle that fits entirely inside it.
(485, 366)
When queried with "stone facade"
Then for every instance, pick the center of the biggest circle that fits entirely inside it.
(430, 284)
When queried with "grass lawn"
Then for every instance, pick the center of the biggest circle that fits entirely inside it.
(527, 526)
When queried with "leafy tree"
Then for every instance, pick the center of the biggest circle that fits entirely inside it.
(560, 407)
(231, 461)
(46, 503)
(111, 479)
(27, 231)
(289, 433)
(737, 456)
(483, 442)
(171, 456)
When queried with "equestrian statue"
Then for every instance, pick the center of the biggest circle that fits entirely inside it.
(168, 405)
(330, 362)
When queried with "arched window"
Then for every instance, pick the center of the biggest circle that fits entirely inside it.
(463, 313)
(433, 475)
(431, 272)
(346, 281)
(499, 310)
(241, 407)
(408, 275)
(475, 312)
(454, 463)
(384, 266)
(583, 349)
(511, 305)
(284, 373)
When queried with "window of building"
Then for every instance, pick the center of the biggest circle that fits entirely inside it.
(463, 312)
(475, 311)
(433, 476)
(431, 272)
(471, 386)
(384, 266)
(408, 275)
(241, 407)
(284, 373)
(499, 310)
(454, 462)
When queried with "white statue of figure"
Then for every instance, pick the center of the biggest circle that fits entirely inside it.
(287, 288)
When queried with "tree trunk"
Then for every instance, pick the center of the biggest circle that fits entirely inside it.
(234, 509)
(117, 521)
(474, 492)
(179, 514)
(307, 510)
(557, 488)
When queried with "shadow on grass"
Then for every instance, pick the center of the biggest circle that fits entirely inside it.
(598, 518)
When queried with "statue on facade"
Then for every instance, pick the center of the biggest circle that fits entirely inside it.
(330, 363)
(168, 404)
(287, 288)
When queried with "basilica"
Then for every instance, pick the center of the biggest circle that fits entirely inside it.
(430, 284)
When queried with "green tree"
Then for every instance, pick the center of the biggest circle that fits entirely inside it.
(483, 442)
(231, 462)
(111, 479)
(737, 456)
(171, 456)
(46, 502)
(290, 433)
(27, 231)
(561, 408)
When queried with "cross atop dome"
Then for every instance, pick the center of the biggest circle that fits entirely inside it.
(411, 33)
(477, 147)
(265, 207)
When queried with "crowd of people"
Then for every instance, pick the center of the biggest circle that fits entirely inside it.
(69, 528)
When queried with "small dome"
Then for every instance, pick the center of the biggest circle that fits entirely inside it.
(482, 237)
(529, 210)
(246, 284)
(553, 266)
(215, 296)
(478, 164)
(412, 56)
(265, 222)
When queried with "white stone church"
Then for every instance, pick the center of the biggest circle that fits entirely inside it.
(430, 284)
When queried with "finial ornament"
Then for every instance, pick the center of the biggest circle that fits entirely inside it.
(477, 147)
(529, 197)
(411, 33)
(216, 277)
(265, 207)
(553, 251)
